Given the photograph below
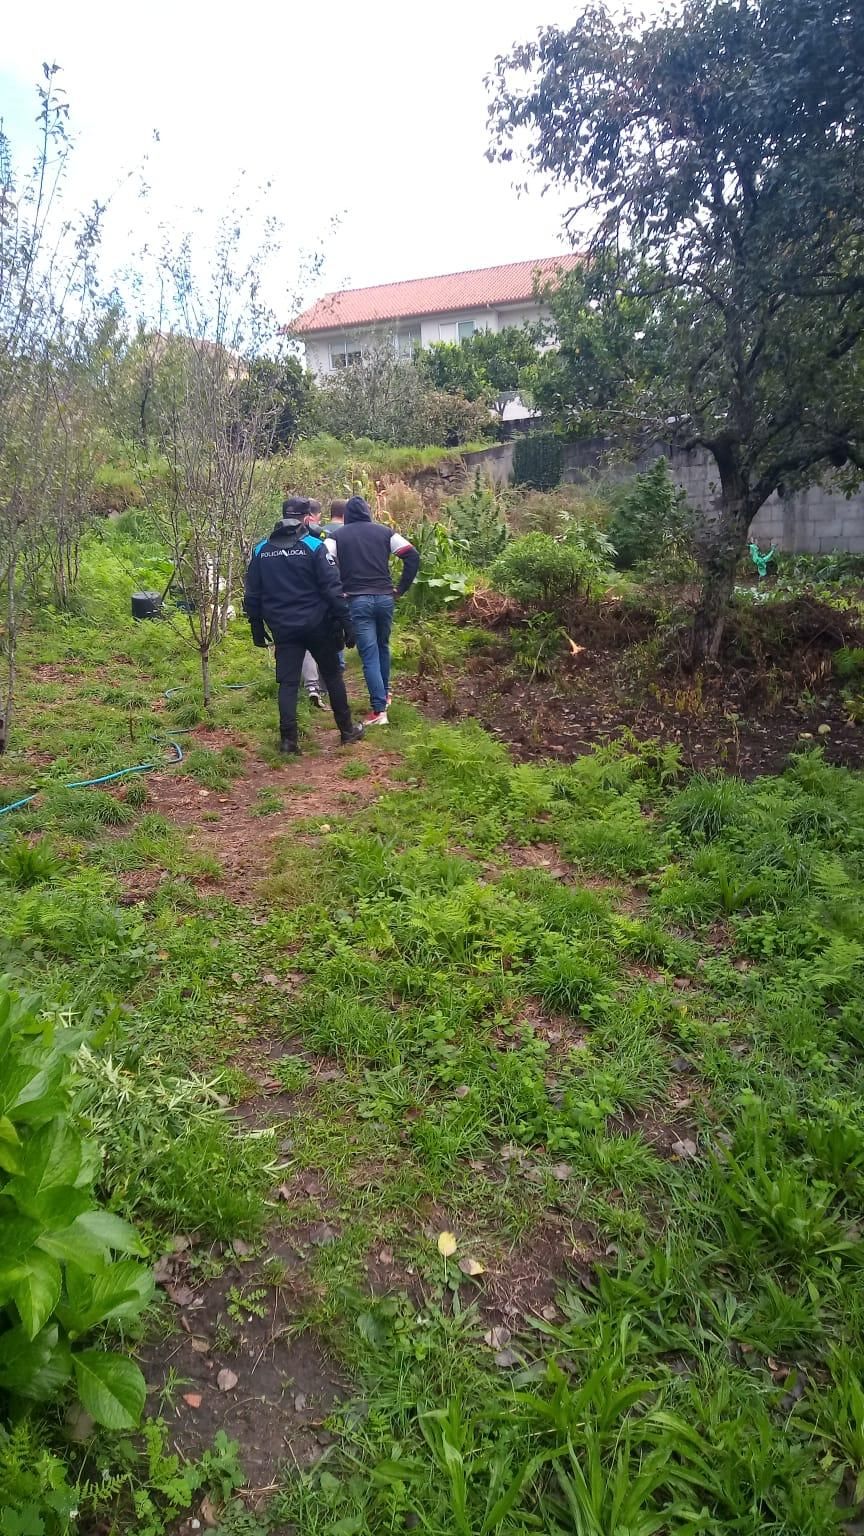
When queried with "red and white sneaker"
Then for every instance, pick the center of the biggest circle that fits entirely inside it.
(376, 717)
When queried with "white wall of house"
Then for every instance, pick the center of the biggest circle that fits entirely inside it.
(325, 349)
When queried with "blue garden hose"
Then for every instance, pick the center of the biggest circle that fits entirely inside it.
(121, 773)
(104, 778)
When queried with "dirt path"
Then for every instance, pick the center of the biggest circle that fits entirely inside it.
(235, 831)
(236, 1360)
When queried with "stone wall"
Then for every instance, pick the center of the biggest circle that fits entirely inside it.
(814, 521)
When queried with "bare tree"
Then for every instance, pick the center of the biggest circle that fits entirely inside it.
(48, 308)
(214, 415)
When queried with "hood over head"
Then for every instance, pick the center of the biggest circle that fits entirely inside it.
(358, 511)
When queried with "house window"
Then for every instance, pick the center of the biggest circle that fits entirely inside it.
(407, 340)
(345, 353)
(466, 329)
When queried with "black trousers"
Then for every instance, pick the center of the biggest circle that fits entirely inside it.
(323, 643)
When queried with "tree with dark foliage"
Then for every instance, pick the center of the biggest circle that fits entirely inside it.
(717, 158)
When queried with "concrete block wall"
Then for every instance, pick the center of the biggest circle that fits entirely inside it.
(815, 521)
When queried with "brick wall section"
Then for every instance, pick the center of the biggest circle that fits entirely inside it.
(814, 521)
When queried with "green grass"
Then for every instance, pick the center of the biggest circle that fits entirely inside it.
(645, 1079)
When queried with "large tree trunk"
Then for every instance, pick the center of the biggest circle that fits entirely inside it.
(724, 546)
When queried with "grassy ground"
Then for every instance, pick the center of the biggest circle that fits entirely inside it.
(496, 1128)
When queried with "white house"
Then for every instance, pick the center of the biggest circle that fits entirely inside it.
(339, 327)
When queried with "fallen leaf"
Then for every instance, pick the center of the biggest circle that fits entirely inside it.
(299, 1402)
(164, 1268)
(497, 1338)
(471, 1267)
(321, 1234)
(180, 1243)
(561, 1171)
(824, 729)
(285, 1192)
(386, 1256)
(193, 1399)
(506, 1357)
(79, 1425)
(549, 1312)
(240, 1247)
(462, 1091)
(201, 1346)
(685, 1149)
(226, 1381)
(509, 1151)
(446, 1244)
(324, 827)
(271, 978)
(535, 1175)
(209, 1511)
(181, 1295)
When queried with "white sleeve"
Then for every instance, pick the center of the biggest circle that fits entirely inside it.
(330, 546)
(398, 545)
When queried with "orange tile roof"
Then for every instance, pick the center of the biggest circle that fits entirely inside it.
(482, 289)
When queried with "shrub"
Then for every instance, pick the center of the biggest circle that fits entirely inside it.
(538, 460)
(552, 574)
(401, 505)
(169, 1151)
(386, 399)
(58, 1279)
(551, 511)
(24, 864)
(849, 662)
(440, 580)
(475, 518)
(652, 520)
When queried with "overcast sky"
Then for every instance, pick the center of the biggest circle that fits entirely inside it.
(374, 114)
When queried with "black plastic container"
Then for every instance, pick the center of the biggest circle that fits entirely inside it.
(146, 605)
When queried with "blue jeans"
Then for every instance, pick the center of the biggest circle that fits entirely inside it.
(372, 617)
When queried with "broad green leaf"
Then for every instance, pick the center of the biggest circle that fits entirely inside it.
(87, 1240)
(10, 1153)
(118, 1290)
(39, 1098)
(91, 1163)
(17, 1234)
(53, 1156)
(73, 1245)
(112, 1232)
(52, 1208)
(37, 1295)
(11, 1276)
(34, 1368)
(111, 1388)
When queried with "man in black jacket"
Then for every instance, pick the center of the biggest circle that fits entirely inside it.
(363, 549)
(293, 587)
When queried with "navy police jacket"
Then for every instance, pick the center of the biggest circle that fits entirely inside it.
(293, 584)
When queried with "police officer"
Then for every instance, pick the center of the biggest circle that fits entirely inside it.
(293, 587)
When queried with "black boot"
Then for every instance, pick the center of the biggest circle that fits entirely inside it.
(349, 738)
(288, 746)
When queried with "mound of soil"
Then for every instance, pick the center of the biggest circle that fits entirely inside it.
(775, 691)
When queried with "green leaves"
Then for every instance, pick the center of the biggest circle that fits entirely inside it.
(57, 1277)
(38, 1292)
(111, 1388)
(34, 1369)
